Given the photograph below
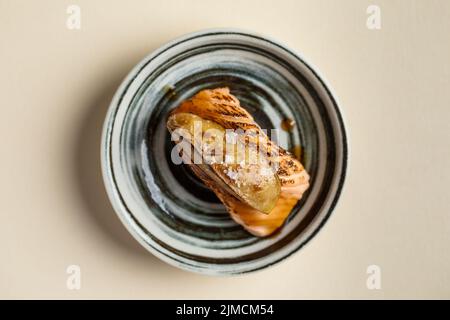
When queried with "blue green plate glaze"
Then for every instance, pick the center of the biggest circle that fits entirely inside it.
(163, 205)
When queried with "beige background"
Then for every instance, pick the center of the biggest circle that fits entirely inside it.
(394, 87)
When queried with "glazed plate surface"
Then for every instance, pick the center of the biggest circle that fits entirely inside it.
(163, 205)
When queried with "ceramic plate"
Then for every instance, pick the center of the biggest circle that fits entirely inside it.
(163, 205)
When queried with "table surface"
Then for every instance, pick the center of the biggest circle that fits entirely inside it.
(394, 88)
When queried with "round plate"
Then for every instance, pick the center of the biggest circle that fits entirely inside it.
(164, 206)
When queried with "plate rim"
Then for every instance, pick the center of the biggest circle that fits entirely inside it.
(106, 163)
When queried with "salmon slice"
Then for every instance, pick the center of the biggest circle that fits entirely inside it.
(220, 106)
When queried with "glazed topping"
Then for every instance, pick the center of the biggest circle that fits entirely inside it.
(238, 164)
